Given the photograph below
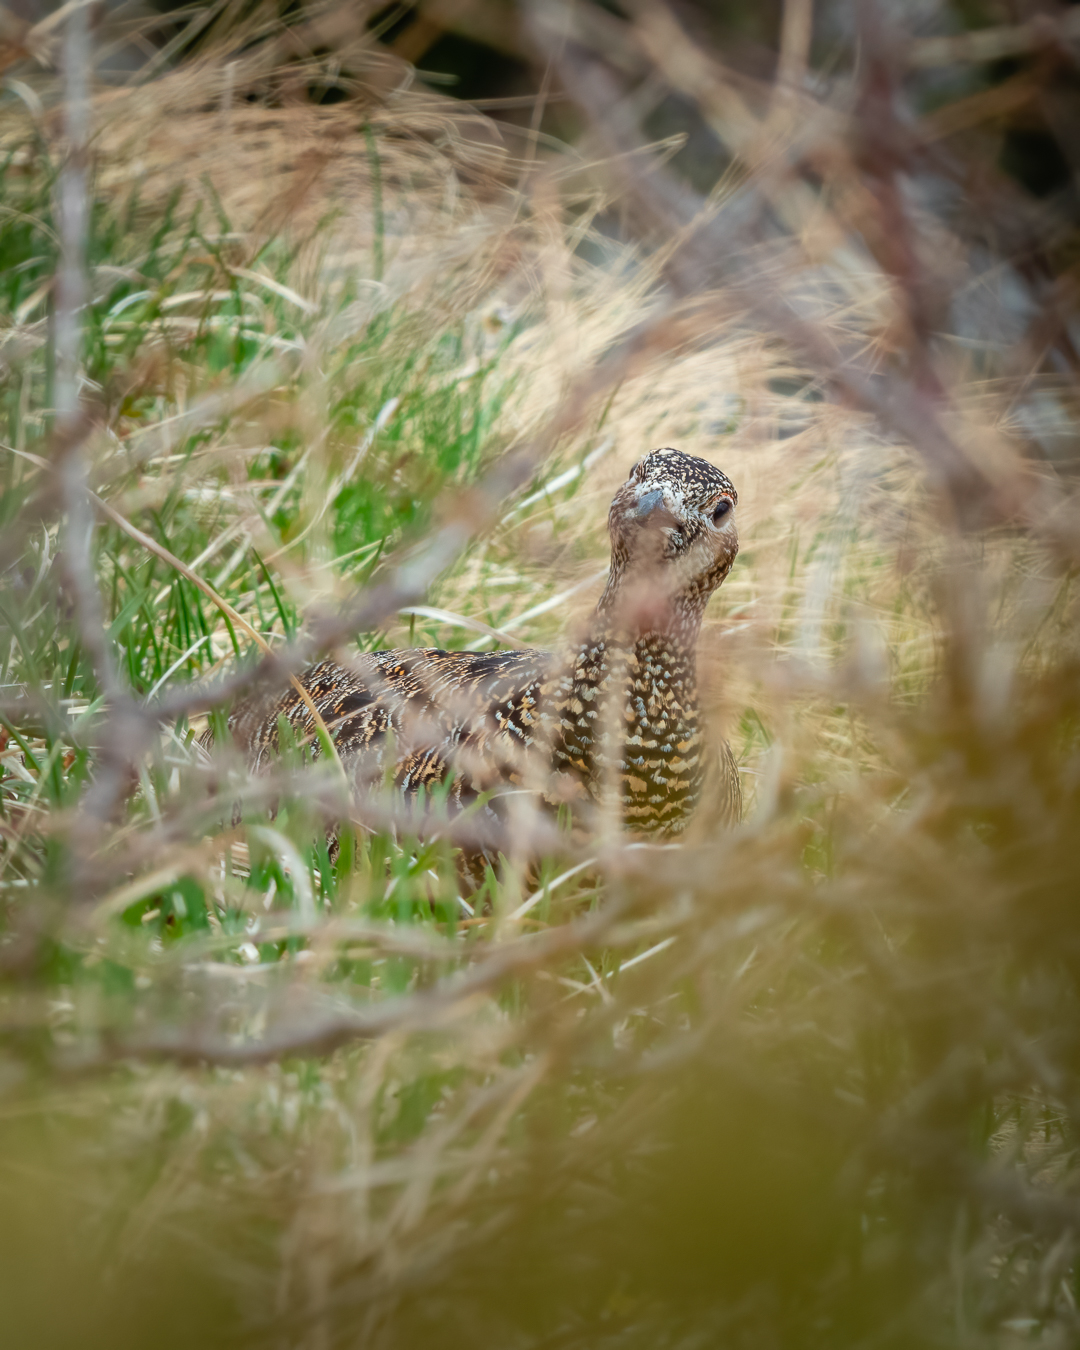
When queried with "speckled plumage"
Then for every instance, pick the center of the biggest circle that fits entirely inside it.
(612, 723)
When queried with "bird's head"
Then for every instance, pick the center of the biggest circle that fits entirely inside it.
(673, 538)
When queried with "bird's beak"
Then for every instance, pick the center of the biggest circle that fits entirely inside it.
(650, 510)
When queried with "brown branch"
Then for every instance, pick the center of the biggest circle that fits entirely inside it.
(124, 736)
(322, 1033)
(723, 253)
(991, 44)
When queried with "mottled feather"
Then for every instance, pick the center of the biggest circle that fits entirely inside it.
(613, 722)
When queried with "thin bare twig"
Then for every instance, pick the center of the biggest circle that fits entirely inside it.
(320, 1033)
(719, 252)
(70, 437)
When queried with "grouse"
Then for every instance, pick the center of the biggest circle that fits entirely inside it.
(612, 724)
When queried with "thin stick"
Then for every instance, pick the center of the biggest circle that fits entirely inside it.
(70, 433)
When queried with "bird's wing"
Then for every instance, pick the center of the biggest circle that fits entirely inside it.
(720, 804)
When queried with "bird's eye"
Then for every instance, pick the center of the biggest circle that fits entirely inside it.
(720, 510)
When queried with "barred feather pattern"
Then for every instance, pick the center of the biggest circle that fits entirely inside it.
(611, 724)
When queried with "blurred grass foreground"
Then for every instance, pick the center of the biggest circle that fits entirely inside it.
(304, 348)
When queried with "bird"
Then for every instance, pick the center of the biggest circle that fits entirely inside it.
(609, 724)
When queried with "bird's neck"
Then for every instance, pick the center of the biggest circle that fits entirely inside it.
(631, 612)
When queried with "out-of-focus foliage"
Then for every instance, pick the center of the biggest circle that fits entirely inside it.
(365, 371)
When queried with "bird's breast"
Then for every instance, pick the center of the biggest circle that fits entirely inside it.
(625, 719)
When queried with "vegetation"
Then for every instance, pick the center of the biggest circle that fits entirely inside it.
(365, 375)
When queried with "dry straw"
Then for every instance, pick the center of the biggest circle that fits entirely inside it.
(370, 373)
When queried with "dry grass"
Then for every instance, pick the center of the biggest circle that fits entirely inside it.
(809, 1083)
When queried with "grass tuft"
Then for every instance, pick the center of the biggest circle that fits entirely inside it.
(810, 1082)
